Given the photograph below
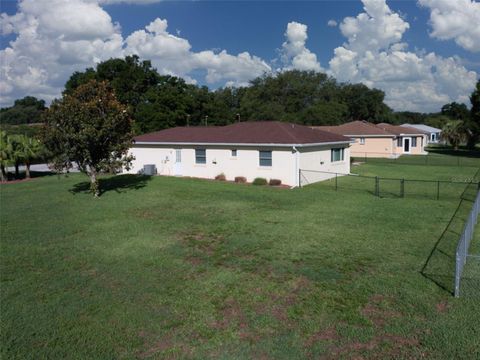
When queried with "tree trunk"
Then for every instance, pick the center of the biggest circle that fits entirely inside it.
(17, 172)
(3, 174)
(27, 170)
(94, 187)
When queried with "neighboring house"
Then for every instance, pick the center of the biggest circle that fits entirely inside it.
(379, 140)
(369, 140)
(408, 140)
(433, 133)
(266, 149)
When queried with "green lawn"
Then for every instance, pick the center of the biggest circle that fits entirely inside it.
(184, 268)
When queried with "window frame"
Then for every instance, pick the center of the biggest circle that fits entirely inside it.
(261, 158)
(399, 141)
(233, 153)
(414, 142)
(362, 141)
(199, 156)
(341, 153)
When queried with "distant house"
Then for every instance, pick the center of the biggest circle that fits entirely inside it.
(266, 149)
(433, 133)
(380, 140)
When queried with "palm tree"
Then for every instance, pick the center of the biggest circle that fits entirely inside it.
(16, 151)
(31, 149)
(5, 150)
(454, 132)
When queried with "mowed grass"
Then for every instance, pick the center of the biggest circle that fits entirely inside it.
(184, 268)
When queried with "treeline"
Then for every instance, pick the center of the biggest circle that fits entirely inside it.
(161, 101)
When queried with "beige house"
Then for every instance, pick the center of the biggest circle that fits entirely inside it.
(380, 140)
(266, 149)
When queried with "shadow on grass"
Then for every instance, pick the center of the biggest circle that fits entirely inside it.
(451, 152)
(117, 183)
(440, 264)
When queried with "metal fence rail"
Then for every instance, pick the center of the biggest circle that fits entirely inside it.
(464, 244)
(386, 186)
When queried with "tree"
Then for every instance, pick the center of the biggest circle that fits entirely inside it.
(16, 152)
(456, 111)
(24, 111)
(454, 133)
(474, 122)
(31, 149)
(4, 155)
(90, 127)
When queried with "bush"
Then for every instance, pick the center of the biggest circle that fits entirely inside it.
(221, 177)
(275, 182)
(240, 179)
(260, 181)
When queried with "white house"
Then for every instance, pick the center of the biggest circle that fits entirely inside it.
(433, 133)
(266, 149)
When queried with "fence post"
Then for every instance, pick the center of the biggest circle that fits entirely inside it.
(377, 186)
(299, 178)
(438, 190)
(402, 188)
(336, 181)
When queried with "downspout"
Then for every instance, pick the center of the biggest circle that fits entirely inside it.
(297, 170)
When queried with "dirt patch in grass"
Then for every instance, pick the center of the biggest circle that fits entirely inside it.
(442, 307)
(376, 313)
(200, 243)
(154, 347)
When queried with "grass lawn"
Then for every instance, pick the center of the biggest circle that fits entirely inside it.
(183, 268)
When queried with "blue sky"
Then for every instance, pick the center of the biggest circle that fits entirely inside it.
(419, 60)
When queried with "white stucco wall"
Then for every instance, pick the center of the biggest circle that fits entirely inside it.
(219, 160)
(285, 162)
(316, 164)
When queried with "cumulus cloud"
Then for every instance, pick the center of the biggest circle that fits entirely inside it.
(295, 55)
(332, 23)
(375, 55)
(72, 35)
(458, 20)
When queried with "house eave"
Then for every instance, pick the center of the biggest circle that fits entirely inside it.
(173, 144)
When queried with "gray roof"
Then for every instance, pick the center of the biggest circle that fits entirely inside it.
(423, 127)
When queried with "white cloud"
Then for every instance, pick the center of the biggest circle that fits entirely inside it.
(54, 41)
(172, 55)
(375, 55)
(294, 53)
(455, 19)
(332, 23)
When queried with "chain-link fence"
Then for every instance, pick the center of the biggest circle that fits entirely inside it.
(430, 159)
(463, 254)
(384, 186)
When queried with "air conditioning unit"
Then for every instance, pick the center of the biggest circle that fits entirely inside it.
(149, 169)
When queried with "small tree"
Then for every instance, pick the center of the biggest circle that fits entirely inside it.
(31, 149)
(90, 127)
(15, 152)
(4, 155)
(454, 133)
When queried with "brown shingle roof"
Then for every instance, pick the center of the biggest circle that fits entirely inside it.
(400, 130)
(254, 132)
(356, 128)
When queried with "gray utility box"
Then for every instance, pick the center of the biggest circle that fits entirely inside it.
(149, 169)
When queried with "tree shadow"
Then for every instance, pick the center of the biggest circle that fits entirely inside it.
(439, 266)
(117, 183)
(451, 152)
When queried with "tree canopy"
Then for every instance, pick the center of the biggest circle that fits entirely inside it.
(24, 111)
(91, 128)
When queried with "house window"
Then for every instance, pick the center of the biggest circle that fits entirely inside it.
(433, 137)
(234, 153)
(337, 155)
(414, 141)
(200, 156)
(265, 158)
(399, 142)
(362, 141)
